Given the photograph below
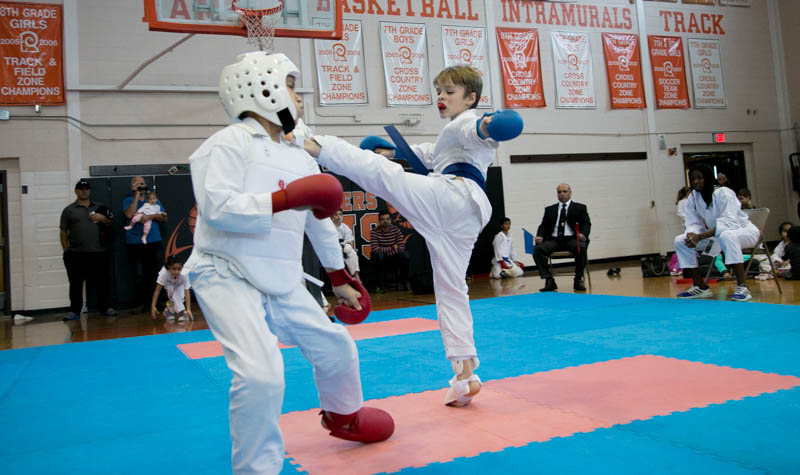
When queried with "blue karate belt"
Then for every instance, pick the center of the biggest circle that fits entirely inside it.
(465, 170)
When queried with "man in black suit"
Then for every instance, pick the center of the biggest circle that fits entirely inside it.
(565, 227)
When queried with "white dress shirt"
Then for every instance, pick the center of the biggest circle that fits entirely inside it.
(567, 229)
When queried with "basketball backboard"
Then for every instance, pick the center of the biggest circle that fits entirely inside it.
(297, 19)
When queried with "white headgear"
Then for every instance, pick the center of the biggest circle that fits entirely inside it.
(256, 82)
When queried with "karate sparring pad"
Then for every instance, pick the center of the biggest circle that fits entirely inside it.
(371, 142)
(505, 125)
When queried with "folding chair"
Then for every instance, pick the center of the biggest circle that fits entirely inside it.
(758, 217)
(568, 255)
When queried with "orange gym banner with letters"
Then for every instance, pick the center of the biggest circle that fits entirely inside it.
(669, 72)
(624, 68)
(31, 71)
(522, 71)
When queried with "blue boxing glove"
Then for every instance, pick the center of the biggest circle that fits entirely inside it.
(371, 142)
(505, 125)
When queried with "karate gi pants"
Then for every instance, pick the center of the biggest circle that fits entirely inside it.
(498, 272)
(442, 210)
(732, 241)
(249, 324)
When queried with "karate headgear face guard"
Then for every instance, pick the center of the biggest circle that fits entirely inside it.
(257, 83)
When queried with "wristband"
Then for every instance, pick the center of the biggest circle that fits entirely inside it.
(339, 277)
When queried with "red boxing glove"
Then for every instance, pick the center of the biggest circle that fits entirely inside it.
(344, 313)
(322, 193)
(505, 263)
(520, 264)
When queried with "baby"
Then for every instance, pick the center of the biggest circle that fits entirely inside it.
(148, 209)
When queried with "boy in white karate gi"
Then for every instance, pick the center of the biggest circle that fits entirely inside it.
(504, 262)
(448, 206)
(348, 242)
(253, 192)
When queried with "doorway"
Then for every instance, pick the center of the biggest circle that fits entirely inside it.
(731, 163)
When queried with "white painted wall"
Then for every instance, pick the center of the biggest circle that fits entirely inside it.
(790, 29)
(171, 107)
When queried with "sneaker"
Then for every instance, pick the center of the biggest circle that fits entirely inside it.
(380, 290)
(71, 316)
(182, 318)
(110, 312)
(85, 308)
(695, 292)
(741, 294)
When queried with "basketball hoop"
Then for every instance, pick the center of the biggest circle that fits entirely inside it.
(260, 24)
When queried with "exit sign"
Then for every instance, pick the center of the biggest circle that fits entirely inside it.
(719, 137)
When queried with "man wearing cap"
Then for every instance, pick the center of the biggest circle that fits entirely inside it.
(82, 223)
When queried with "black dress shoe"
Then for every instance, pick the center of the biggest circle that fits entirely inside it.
(549, 285)
(578, 285)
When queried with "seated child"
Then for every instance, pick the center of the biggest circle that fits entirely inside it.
(792, 253)
(148, 209)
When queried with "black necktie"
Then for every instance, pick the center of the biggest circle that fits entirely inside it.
(562, 220)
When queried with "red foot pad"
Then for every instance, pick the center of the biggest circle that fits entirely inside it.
(368, 425)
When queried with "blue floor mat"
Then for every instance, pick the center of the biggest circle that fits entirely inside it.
(138, 405)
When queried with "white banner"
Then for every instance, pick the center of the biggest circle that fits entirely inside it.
(706, 66)
(340, 67)
(467, 45)
(572, 59)
(405, 64)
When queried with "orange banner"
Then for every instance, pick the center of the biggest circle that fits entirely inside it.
(32, 70)
(522, 71)
(669, 72)
(624, 68)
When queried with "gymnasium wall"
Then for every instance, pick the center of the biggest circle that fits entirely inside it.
(790, 18)
(171, 106)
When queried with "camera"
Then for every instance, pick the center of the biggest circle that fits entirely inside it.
(143, 189)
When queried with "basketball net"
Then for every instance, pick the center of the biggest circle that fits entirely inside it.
(260, 24)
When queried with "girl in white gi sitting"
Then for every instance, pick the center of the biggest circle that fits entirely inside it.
(713, 211)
